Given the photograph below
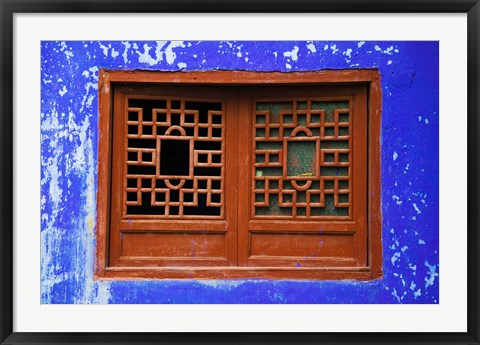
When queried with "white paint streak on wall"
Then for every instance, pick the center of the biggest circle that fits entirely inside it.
(388, 50)
(115, 53)
(334, 48)
(395, 155)
(145, 57)
(170, 55)
(80, 162)
(53, 131)
(221, 284)
(88, 234)
(63, 91)
(292, 54)
(397, 199)
(125, 52)
(395, 257)
(394, 294)
(432, 273)
(105, 49)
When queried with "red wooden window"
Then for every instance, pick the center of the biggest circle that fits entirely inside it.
(239, 174)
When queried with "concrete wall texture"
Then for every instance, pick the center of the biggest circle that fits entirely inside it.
(409, 136)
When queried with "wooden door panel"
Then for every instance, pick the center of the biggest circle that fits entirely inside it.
(170, 200)
(306, 174)
(302, 245)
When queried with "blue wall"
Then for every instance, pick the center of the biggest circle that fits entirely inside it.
(69, 77)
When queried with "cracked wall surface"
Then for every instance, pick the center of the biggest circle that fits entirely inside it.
(409, 139)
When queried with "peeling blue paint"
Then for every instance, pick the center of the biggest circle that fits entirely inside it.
(69, 120)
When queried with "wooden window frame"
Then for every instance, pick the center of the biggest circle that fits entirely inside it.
(106, 266)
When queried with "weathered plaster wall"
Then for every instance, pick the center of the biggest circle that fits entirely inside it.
(69, 119)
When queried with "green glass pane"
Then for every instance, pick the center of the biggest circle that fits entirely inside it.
(333, 171)
(273, 209)
(287, 185)
(329, 184)
(301, 105)
(287, 119)
(268, 172)
(301, 120)
(329, 132)
(329, 209)
(315, 132)
(301, 157)
(329, 157)
(260, 119)
(260, 133)
(329, 107)
(274, 132)
(259, 197)
(343, 144)
(343, 157)
(343, 117)
(342, 198)
(274, 108)
(269, 145)
(260, 184)
(315, 198)
(273, 184)
(260, 158)
(301, 197)
(343, 131)
(315, 118)
(287, 198)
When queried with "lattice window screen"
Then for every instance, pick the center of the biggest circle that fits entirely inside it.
(174, 159)
(302, 159)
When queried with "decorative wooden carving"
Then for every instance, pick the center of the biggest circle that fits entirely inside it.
(174, 159)
(302, 159)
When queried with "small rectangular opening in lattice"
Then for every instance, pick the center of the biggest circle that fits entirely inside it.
(301, 158)
(174, 157)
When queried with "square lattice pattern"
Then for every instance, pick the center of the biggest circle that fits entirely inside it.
(302, 159)
(175, 155)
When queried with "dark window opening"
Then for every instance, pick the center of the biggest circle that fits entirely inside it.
(174, 157)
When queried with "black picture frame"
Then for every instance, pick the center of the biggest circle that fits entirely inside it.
(7, 10)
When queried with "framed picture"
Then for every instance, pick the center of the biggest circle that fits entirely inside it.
(128, 216)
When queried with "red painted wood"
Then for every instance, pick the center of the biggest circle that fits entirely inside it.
(238, 244)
